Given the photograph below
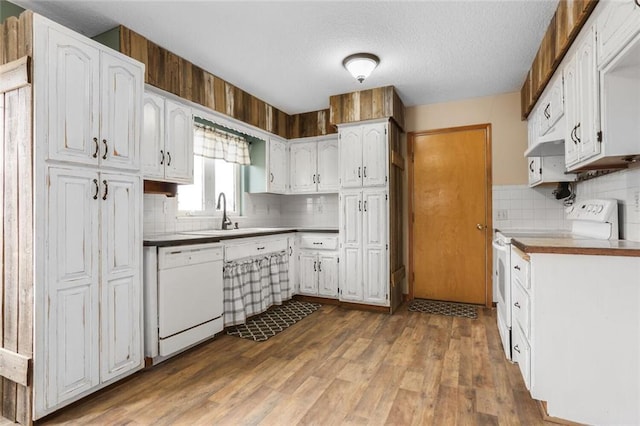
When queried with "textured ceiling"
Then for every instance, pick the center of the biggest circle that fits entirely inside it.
(290, 53)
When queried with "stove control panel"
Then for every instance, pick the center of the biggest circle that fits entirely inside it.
(594, 210)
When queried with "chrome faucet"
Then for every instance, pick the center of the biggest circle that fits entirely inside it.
(225, 219)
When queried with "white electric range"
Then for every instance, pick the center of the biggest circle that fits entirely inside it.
(595, 219)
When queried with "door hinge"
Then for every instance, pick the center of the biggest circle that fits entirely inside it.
(599, 134)
(386, 246)
(386, 179)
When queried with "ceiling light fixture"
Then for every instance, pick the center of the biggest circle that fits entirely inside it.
(360, 65)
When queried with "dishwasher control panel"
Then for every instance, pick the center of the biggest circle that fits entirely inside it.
(177, 256)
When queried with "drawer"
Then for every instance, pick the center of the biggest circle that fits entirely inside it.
(319, 242)
(174, 257)
(242, 249)
(520, 267)
(522, 355)
(521, 309)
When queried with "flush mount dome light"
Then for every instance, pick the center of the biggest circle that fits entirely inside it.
(360, 65)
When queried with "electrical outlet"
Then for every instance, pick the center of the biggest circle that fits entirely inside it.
(502, 214)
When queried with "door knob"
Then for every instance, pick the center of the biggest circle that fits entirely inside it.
(480, 227)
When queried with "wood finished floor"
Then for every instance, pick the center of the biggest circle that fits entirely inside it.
(337, 366)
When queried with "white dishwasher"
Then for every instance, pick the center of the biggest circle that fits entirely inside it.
(189, 296)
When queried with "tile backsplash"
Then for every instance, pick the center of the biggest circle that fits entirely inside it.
(260, 210)
(518, 206)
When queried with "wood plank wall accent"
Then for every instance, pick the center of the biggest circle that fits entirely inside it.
(567, 21)
(381, 102)
(16, 223)
(171, 73)
(396, 216)
(308, 124)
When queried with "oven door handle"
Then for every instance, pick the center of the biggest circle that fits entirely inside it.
(499, 247)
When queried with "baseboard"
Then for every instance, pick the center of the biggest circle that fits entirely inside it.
(542, 406)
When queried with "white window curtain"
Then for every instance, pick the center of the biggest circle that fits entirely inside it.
(213, 143)
(253, 285)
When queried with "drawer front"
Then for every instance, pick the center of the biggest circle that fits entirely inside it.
(520, 267)
(522, 355)
(173, 257)
(319, 242)
(521, 309)
(239, 250)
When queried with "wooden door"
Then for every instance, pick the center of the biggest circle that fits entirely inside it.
(308, 273)
(73, 99)
(327, 275)
(376, 279)
(178, 142)
(72, 287)
(374, 154)
(303, 166)
(121, 281)
(153, 155)
(120, 113)
(351, 157)
(449, 190)
(351, 245)
(278, 166)
(328, 172)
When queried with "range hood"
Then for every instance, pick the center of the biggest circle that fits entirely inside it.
(550, 144)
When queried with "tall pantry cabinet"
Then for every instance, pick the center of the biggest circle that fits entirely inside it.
(86, 218)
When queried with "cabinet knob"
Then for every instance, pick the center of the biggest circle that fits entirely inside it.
(517, 305)
(517, 267)
(516, 348)
(479, 226)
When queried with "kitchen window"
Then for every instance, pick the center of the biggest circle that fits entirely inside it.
(218, 157)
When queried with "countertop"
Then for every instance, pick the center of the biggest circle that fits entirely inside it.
(567, 245)
(216, 235)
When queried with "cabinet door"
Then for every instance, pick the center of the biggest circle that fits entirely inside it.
(294, 283)
(278, 166)
(153, 155)
(376, 279)
(535, 174)
(121, 280)
(374, 155)
(617, 24)
(533, 128)
(72, 287)
(351, 273)
(572, 107)
(178, 143)
(308, 273)
(120, 113)
(73, 103)
(350, 218)
(351, 157)
(588, 83)
(303, 166)
(328, 275)
(328, 177)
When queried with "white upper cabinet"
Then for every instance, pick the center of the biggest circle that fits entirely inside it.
(314, 165)
(167, 140)
(618, 23)
(178, 142)
(94, 101)
(278, 165)
(363, 155)
(552, 107)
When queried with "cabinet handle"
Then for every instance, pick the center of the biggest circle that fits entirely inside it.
(95, 182)
(315, 243)
(516, 348)
(169, 155)
(531, 166)
(106, 189)
(573, 135)
(106, 149)
(359, 206)
(290, 251)
(97, 151)
(546, 111)
(516, 267)
(319, 266)
(364, 171)
(318, 177)
(314, 178)
(314, 267)
(517, 305)
(162, 157)
(578, 137)
(271, 174)
(359, 175)
(259, 248)
(365, 206)
(637, 3)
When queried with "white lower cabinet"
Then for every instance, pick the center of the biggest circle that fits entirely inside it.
(318, 265)
(364, 248)
(93, 273)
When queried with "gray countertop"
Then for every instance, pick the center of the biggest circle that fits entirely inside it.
(216, 235)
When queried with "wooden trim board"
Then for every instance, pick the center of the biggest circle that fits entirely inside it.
(14, 367)
(15, 74)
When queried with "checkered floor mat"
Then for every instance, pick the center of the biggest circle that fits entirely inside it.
(273, 321)
(444, 308)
